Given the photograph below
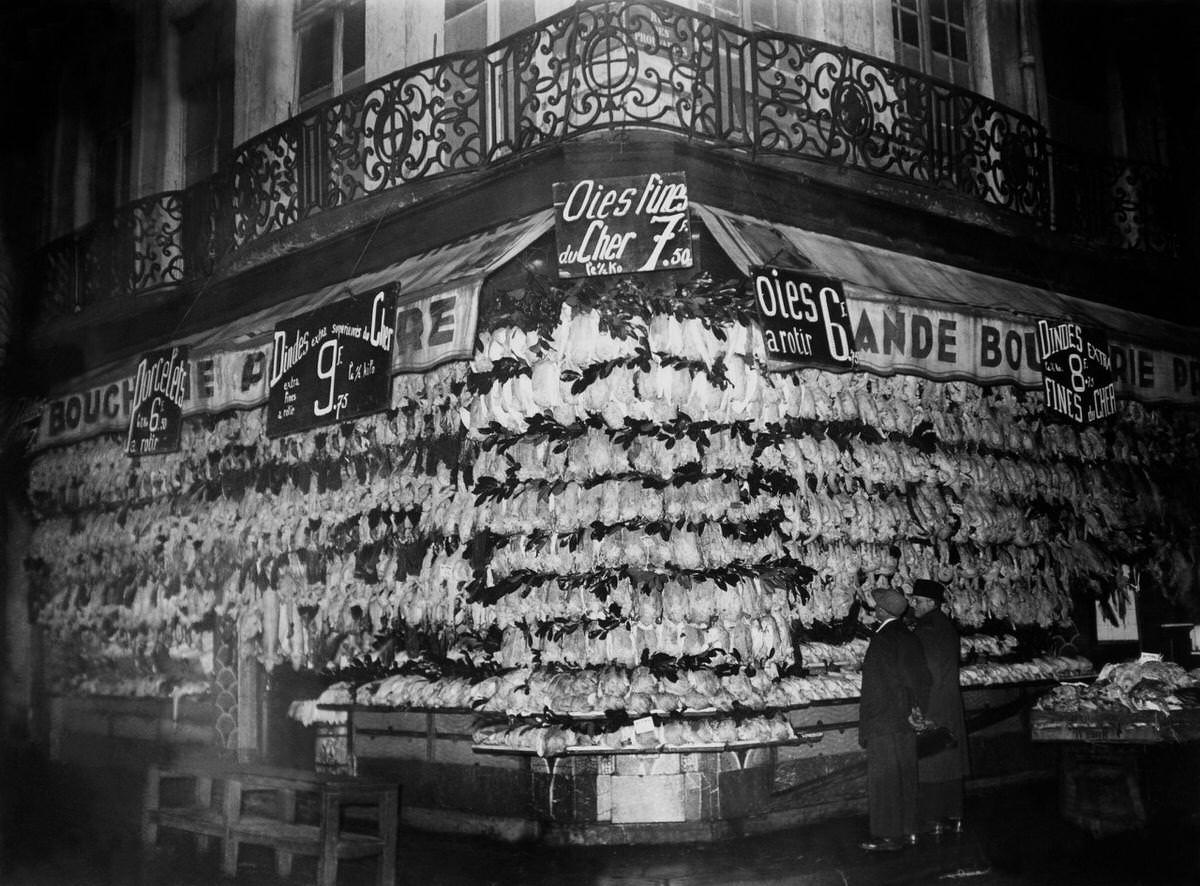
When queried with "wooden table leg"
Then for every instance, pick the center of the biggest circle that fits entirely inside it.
(287, 812)
(150, 808)
(327, 861)
(389, 814)
(202, 792)
(233, 812)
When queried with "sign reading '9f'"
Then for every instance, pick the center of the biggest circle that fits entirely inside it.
(622, 225)
(804, 317)
(332, 364)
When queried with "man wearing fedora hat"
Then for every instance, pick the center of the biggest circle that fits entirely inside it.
(940, 800)
(894, 681)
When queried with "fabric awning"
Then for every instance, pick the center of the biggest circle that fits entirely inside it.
(884, 273)
(917, 316)
(439, 288)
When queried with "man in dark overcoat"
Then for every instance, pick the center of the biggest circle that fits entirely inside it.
(940, 774)
(894, 681)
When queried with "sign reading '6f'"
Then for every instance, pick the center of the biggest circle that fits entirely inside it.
(622, 225)
(332, 364)
(804, 317)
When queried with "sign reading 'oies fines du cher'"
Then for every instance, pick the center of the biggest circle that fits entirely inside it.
(332, 364)
(160, 385)
(622, 225)
(1077, 376)
(804, 317)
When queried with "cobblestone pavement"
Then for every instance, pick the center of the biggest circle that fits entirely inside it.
(1015, 837)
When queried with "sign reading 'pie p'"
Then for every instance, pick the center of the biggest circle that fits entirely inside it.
(622, 225)
(160, 385)
(332, 364)
(1077, 376)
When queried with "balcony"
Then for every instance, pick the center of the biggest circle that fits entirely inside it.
(603, 66)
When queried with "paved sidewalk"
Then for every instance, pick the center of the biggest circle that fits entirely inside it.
(1014, 837)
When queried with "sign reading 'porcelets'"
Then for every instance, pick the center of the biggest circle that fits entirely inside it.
(1077, 376)
(332, 364)
(804, 317)
(160, 385)
(622, 225)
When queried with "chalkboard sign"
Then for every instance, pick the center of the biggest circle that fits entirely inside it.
(1077, 377)
(804, 317)
(622, 225)
(160, 385)
(332, 364)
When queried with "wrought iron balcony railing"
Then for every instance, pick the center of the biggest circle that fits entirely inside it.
(644, 64)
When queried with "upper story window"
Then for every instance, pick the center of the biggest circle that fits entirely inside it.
(755, 15)
(331, 48)
(931, 36)
(206, 84)
(473, 24)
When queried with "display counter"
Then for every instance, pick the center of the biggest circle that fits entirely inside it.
(653, 793)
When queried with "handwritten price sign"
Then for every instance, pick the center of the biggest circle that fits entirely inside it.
(332, 364)
(622, 225)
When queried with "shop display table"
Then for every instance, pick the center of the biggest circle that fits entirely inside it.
(215, 807)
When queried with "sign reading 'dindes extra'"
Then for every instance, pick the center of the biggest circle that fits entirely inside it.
(332, 364)
(160, 385)
(1077, 376)
(804, 317)
(622, 225)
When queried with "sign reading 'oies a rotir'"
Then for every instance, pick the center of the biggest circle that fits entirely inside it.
(332, 364)
(160, 385)
(622, 225)
(1077, 376)
(804, 317)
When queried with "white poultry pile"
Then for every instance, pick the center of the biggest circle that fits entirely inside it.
(596, 496)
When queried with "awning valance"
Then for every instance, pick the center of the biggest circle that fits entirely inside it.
(228, 361)
(914, 315)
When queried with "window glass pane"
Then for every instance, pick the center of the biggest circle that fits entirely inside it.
(958, 12)
(514, 15)
(458, 7)
(909, 31)
(937, 9)
(316, 55)
(941, 67)
(467, 31)
(937, 39)
(958, 44)
(354, 39)
(763, 15)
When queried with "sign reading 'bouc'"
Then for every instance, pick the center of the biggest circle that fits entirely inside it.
(622, 225)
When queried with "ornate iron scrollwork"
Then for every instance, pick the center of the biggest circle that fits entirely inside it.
(604, 65)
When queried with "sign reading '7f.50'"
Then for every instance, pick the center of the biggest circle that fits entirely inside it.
(622, 225)
(332, 364)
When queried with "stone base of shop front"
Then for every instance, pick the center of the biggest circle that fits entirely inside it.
(449, 785)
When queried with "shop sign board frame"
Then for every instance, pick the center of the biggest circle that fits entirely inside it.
(333, 363)
(804, 317)
(1077, 376)
(160, 388)
(631, 224)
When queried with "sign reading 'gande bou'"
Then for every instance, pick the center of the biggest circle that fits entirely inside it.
(332, 364)
(622, 225)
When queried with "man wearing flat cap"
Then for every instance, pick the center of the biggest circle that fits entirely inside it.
(940, 801)
(894, 681)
